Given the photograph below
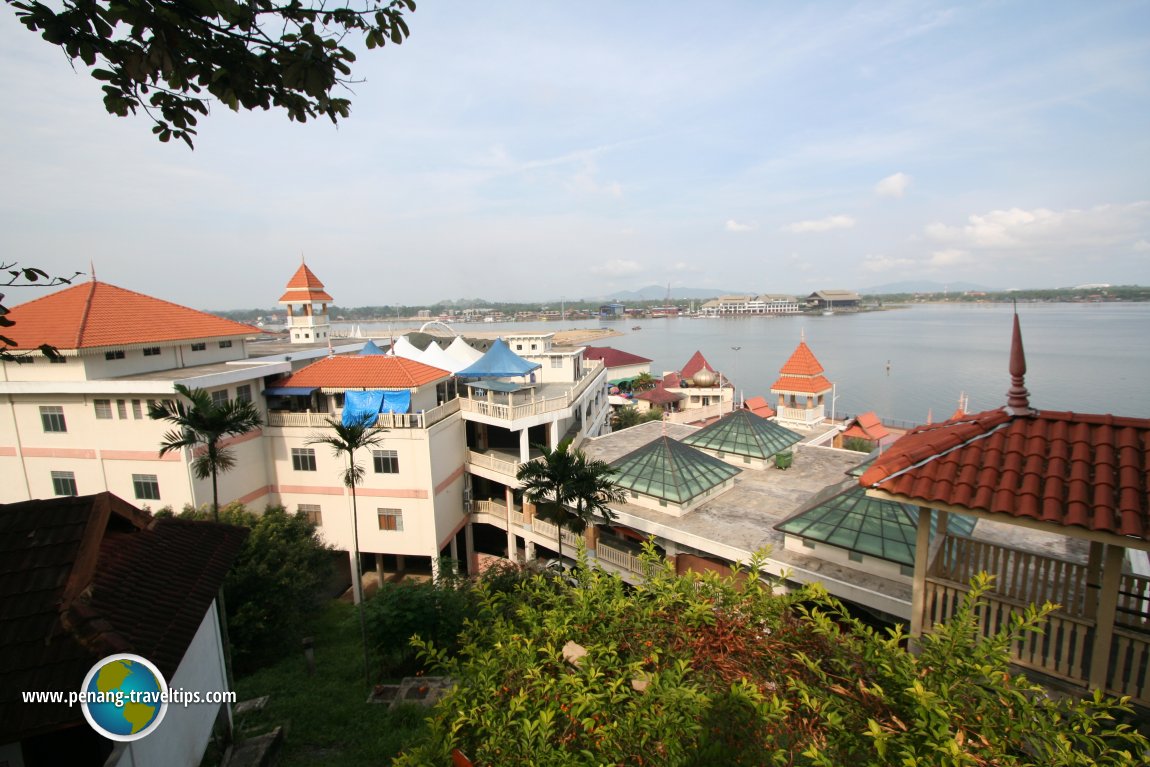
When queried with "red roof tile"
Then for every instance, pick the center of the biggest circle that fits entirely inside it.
(759, 406)
(373, 371)
(810, 385)
(96, 314)
(1068, 469)
(659, 396)
(802, 362)
(83, 577)
(695, 364)
(304, 287)
(613, 358)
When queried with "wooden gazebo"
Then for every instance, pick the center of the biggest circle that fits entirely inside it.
(1078, 475)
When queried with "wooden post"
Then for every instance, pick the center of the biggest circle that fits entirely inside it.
(1107, 608)
(921, 562)
(1093, 580)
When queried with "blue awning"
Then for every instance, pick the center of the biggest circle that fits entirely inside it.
(361, 405)
(290, 391)
(395, 402)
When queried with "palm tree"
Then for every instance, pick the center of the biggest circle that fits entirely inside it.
(643, 382)
(347, 438)
(570, 490)
(201, 426)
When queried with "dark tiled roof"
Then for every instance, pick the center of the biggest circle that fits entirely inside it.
(659, 396)
(1068, 469)
(671, 471)
(84, 577)
(695, 364)
(613, 358)
(852, 520)
(741, 432)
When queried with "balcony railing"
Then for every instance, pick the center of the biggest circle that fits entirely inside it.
(550, 531)
(493, 462)
(700, 413)
(528, 408)
(810, 417)
(420, 420)
(619, 558)
(1064, 648)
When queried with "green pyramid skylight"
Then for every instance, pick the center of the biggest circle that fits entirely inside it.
(744, 433)
(853, 520)
(671, 471)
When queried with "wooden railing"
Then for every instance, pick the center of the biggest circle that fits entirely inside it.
(1130, 665)
(619, 558)
(1134, 602)
(515, 411)
(420, 420)
(1022, 576)
(549, 531)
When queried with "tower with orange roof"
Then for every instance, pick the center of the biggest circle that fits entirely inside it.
(801, 390)
(306, 302)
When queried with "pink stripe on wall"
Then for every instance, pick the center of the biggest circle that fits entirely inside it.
(308, 490)
(241, 438)
(58, 452)
(7, 451)
(370, 492)
(138, 455)
(255, 494)
(448, 482)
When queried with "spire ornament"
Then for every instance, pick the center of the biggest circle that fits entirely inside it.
(1017, 397)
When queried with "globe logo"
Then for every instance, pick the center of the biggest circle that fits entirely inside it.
(124, 697)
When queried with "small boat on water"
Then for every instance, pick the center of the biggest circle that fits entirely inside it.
(637, 327)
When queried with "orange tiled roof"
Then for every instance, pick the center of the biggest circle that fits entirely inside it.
(695, 364)
(759, 406)
(1068, 469)
(810, 385)
(96, 314)
(365, 372)
(867, 426)
(802, 362)
(304, 287)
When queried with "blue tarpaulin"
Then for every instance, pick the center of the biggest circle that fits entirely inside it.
(361, 405)
(395, 402)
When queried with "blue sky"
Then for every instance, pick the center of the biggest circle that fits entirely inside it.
(532, 151)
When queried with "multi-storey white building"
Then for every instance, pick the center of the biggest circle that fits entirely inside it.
(81, 426)
(750, 305)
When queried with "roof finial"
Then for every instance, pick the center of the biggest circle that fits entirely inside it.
(802, 335)
(302, 260)
(92, 269)
(1017, 397)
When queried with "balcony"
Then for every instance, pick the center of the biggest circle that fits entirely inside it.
(518, 405)
(1065, 648)
(800, 416)
(420, 420)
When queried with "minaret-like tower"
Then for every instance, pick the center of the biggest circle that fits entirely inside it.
(801, 390)
(307, 303)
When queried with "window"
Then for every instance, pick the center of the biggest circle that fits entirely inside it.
(24, 359)
(303, 459)
(122, 408)
(312, 513)
(52, 416)
(64, 483)
(118, 354)
(556, 362)
(225, 344)
(103, 408)
(244, 393)
(386, 461)
(151, 351)
(220, 397)
(151, 404)
(137, 409)
(199, 347)
(58, 360)
(147, 487)
(390, 519)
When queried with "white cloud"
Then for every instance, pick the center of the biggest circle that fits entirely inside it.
(948, 257)
(820, 225)
(585, 181)
(886, 263)
(735, 226)
(683, 266)
(893, 186)
(1142, 246)
(617, 267)
(1062, 230)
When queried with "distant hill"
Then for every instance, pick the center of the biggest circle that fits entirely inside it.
(923, 286)
(658, 292)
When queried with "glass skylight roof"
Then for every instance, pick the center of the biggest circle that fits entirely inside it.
(671, 471)
(853, 520)
(744, 433)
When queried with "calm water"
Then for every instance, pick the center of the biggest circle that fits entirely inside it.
(1085, 357)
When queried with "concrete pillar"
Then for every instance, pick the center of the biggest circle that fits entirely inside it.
(469, 550)
(509, 497)
(591, 536)
(379, 573)
(435, 567)
(1093, 580)
(1107, 608)
(453, 549)
(553, 433)
(400, 564)
(921, 562)
(530, 547)
(524, 446)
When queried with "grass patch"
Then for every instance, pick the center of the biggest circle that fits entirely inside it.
(326, 718)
